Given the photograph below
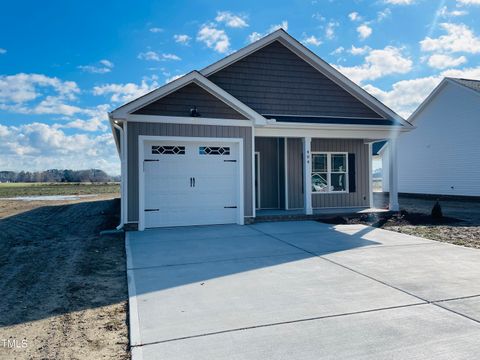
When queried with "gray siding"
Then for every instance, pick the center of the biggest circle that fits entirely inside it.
(157, 129)
(274, 80)
(295, 173)
(281, 172)
(181, 101)
(360, 196)
(269, 181)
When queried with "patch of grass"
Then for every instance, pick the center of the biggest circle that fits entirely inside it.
(8, 190)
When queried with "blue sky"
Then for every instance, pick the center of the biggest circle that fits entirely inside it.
(64, 64)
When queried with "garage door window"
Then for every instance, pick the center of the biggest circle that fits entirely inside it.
(214, 150)
(168, 150)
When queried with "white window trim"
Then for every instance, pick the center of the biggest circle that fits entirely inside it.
(141, 176)
(330, 172)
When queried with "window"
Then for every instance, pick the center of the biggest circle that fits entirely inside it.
(168, 150)
(329, 172)
(214, 150)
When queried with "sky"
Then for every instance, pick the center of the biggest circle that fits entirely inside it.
(65, 64)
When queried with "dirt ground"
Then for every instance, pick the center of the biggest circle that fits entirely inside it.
(63, 288)
(461, 225)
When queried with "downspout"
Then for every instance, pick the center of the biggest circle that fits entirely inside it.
(122, 170)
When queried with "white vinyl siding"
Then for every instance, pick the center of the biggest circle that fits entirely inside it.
(441, 155)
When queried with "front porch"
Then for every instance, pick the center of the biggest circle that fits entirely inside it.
(313, 177)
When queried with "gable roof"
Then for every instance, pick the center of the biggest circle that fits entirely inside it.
(470, 85)
(316, 62)
(195, 77)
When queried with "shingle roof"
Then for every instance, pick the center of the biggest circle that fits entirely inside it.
(472, 84)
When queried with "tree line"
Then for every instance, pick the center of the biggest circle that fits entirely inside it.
(57, 175)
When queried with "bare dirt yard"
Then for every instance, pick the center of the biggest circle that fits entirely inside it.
(460, 224)
(63, 286)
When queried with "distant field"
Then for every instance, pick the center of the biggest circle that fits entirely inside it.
(8, 190)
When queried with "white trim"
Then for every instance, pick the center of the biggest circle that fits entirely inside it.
(141, 178)
(285, 169)
(330, 172)
(187, 120)
(314, 61)
(278, 172)
(272, 123)
(307, 175)
(258, 174)
(254, 210)
(370, 176)
(366, 134)
(193, 77)
(393, 176)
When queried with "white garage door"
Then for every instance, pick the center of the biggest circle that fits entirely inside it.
(190, 183)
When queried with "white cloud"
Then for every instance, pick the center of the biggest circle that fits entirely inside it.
(399, 2)
(182, 39)
(156, 30)
(364, 31)
(312, 40)
(106, 63)
(406, 95)
(354, 16)
(330, 29)
(231, 20)
(154, 56)
(254, 36)
(445, 13)
(338, 51)
(459, 38)
(3, 51)
(106, 67)
(214, 38)
(468, 2)
(38, 146)
(21, 88)
(126, 92)
(359, 50)
(383, 14)
(442, 61)
(378, 63)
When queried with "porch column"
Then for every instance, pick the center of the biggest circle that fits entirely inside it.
(307, 175)
(393, 175)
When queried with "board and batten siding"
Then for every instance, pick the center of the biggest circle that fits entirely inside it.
(360, 197)
(180, 102)
(135, 129)
(274, 80)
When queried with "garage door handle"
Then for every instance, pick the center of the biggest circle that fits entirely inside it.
(193, 182)
(229, 207)
(152, 209)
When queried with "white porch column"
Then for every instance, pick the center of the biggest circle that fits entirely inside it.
(393, 175)
(307, 175)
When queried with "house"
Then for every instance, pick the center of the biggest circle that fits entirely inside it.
(441, 157)
(271, 126)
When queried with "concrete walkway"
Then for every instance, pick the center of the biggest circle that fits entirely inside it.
(300, 290)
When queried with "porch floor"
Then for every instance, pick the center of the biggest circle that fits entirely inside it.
(296, 214)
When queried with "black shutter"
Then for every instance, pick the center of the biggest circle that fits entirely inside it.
(352, 185)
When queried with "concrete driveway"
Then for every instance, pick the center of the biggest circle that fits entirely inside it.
(300, 290)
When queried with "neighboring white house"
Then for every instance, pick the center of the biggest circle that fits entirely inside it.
(442, 155)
